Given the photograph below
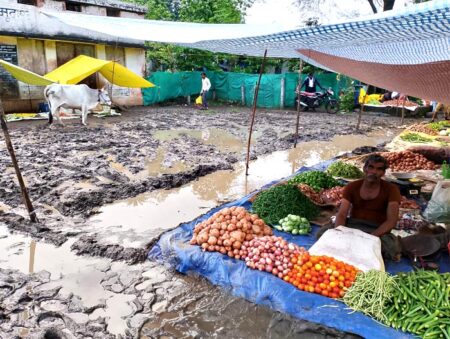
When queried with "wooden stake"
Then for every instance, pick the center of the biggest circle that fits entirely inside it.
(10, 148)
(403, 110)
(255, 99)
(300, 70)
(362, 108)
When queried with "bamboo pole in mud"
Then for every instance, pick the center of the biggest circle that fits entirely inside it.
(361, 110)
(255, 99)
(299, 87)
(10, 148)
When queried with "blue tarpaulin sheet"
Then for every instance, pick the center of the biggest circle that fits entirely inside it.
(173, 249)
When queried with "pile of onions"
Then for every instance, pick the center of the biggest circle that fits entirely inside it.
(227, 230)
(271, 254)
(333, 195)
(406, 161)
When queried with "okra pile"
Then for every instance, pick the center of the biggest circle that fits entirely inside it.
(421, 304)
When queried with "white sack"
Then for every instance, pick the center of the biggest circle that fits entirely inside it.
(351, 246)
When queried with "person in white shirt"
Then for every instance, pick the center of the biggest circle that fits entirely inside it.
(206, 85)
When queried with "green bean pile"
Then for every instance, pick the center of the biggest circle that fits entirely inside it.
(421, 304)
(370, 292)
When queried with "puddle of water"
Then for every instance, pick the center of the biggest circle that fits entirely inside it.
(220, 138)
(157, 166)
(79, 275)
(166, 209)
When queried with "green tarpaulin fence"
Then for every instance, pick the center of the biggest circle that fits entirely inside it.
(233, 87)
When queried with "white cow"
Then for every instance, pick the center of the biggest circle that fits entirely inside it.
(74, 96)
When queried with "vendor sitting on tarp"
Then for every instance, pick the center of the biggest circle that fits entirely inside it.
(372, 205)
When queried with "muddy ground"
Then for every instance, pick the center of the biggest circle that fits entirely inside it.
(71, 171)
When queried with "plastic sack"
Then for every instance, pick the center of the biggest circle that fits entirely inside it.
(351, 246)
(198, 101)
(438, 208)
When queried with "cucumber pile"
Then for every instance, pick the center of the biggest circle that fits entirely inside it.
(294, 224)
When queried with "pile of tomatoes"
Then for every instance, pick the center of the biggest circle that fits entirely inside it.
(321, 274)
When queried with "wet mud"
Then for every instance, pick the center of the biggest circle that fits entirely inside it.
(72, 172)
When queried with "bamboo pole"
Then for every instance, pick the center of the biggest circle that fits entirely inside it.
(300, 71)
(255, 99)
(362, 108)
(10, 148)
(403, 110)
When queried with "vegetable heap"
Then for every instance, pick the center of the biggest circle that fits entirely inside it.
(344, 170)
(332, 195)
(415, 137)
(294, 224)
(311, 194)
(271, 254)
(278, 201)
(420, 304)
(406, 161)
(439, 125)
(227, 229)
(370, 292)
(423, 129)
(321, 274)
(316, 179)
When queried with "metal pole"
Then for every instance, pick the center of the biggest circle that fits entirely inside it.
(300, 70)
(10, 148)
(255, 99)
(282, 82)
(362, 108)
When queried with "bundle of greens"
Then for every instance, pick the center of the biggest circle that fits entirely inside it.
(343, 170)
(279, 201)
(415, 137)
(316, 179)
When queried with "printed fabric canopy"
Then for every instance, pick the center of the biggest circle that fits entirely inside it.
(405, 50)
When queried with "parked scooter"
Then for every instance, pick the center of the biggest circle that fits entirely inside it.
(315, 100)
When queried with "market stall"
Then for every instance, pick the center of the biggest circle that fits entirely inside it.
(263, 248)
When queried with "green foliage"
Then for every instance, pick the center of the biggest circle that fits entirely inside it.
(316, 179)
(279, 201)
(343, 170)
(347, 99)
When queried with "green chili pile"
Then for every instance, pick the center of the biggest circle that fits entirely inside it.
(370, 292)
(279, 201)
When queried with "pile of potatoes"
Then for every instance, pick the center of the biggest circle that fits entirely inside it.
(227, 229)
(406, 161)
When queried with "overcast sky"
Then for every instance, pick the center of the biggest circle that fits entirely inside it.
(286, 13)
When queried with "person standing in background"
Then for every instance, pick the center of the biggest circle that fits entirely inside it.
(206, 85)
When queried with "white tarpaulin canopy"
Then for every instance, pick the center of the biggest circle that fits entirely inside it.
(404, 50)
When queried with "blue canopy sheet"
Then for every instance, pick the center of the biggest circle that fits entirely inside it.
(173, 249)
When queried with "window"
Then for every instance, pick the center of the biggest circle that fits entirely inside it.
(72, 7)
(27, 2)
(112, 12)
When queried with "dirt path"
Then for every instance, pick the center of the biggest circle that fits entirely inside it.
(72, 171)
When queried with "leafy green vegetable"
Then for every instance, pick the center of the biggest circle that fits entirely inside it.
(344, 170)
(437, 126)
(415, 137)
(279, 201)
(316, 179)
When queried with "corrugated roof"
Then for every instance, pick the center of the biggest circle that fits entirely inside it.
(125, 6)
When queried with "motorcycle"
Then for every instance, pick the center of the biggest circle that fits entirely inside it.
(317, 99)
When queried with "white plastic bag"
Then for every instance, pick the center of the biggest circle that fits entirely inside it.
(351, 246)
(438, 208)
